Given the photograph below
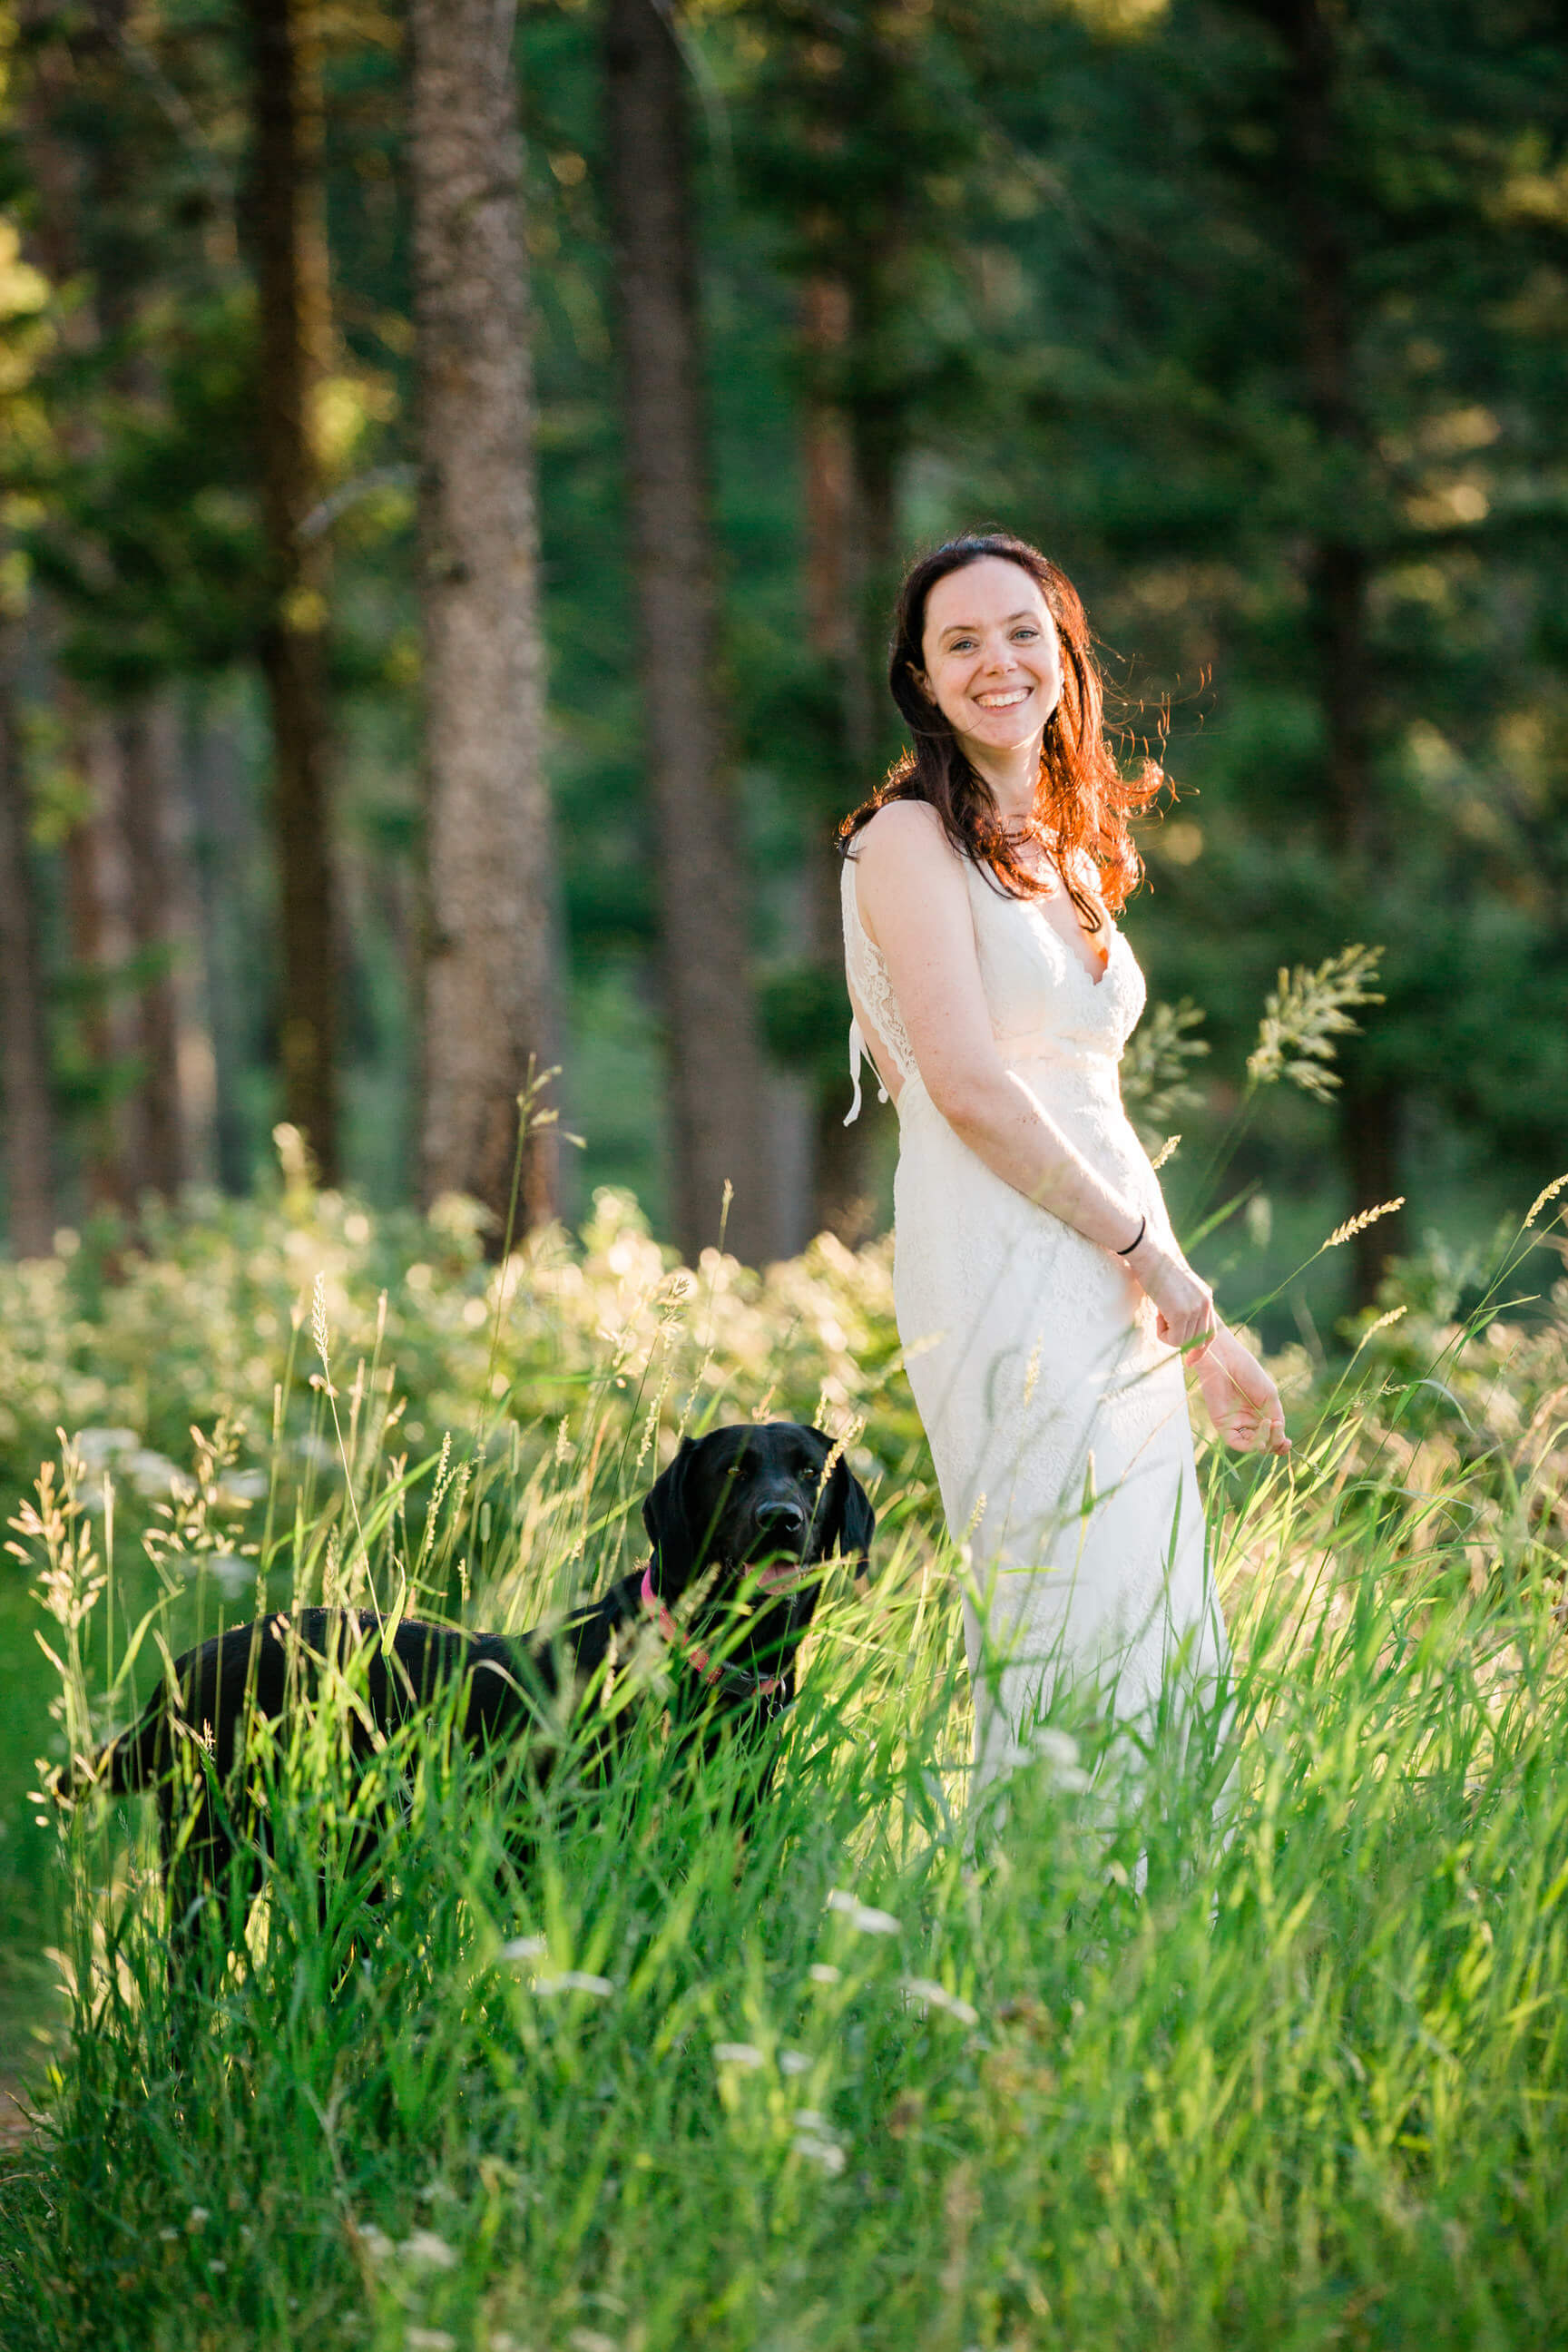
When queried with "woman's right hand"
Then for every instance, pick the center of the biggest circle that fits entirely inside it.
(1183, 1300)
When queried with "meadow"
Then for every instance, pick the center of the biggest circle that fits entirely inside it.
(869, 2071)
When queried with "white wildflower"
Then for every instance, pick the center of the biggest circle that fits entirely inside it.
(195, 2217)
(424, 2246)
(97, 1448)
(736, 2053)
(524, 1947)
(429, 2340)
(153, 1474)
(872, 1922)
(810, 2119)
(823, 1972)
(865, 1916)
(924, 1992)
(826, 2152)
(573, 1980)
(793, 2061)
(376, 2243)
(242, 1486)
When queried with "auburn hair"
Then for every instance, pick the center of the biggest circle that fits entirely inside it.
(1082, 801)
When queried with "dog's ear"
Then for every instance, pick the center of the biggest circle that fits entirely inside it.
(666, 1516)
(851, 1521)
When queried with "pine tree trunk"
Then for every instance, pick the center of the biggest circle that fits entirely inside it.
(225, 852)
(1370, 1118)
(846, 545)
(288, 236)
(147, 763)
(68, 174)
(715, 1062)
(489, 980)
(98, 892)
(24, 1094)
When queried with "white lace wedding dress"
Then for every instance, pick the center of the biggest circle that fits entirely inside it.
(1056, 1419)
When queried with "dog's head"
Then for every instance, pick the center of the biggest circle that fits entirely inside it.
(753, 1509)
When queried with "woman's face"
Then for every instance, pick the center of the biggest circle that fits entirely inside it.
(992, 664)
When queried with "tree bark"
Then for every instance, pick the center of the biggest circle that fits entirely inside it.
(24, 1054)
(715, 1059)
(287, 232)
(226, 851)
(69, 184)
(97, 918)
(488, 977)
(839, 541)
(148, 752)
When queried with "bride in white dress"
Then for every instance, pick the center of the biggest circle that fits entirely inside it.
(1043, 1302)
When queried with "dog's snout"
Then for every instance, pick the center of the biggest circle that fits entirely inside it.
(781, 1517)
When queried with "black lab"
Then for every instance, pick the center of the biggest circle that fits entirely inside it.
(737, 1522)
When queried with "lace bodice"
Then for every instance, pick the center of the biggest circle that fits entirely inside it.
(1043, 1003)
(870, 986)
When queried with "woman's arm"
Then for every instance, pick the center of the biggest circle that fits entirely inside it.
(915, 906)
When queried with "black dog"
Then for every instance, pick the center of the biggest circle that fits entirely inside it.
(738, 1519)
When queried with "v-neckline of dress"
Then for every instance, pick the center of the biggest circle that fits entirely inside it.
(1059, 888)
(1095, 979)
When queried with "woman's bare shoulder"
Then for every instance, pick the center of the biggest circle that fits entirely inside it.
(901, 831)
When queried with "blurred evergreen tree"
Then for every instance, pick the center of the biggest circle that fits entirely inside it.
(856, 127)
(283, 221)
(1287, 293)
(1253, 314)
(721, 1175)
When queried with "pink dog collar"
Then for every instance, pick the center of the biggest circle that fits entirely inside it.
(701, 1659)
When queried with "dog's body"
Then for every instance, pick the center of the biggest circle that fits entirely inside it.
(742, 1515)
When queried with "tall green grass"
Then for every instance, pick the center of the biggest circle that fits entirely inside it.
(856, 2071)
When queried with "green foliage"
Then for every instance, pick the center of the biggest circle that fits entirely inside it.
(152, 540)
(1306, 1011)
(1073, 254)
(844, 2076)
(1156, 1068)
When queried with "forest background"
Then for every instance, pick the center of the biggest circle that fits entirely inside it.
(454, 466)
(405, 678)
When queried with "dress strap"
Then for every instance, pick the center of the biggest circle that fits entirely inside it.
(868, 982)
(860, 1052)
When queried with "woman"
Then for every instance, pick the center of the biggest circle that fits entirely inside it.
(1042, 1299)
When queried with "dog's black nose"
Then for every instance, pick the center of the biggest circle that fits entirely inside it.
(782, 1519)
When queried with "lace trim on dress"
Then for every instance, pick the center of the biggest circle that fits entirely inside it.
(869, 980)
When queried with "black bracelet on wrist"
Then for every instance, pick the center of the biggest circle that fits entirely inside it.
(1143, 1229)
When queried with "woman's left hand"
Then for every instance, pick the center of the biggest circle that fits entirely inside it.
(1243, 1401)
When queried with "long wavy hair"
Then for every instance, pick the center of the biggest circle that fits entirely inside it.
(1082, 801)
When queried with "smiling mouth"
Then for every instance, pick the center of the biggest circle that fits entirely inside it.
(1004, 701)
